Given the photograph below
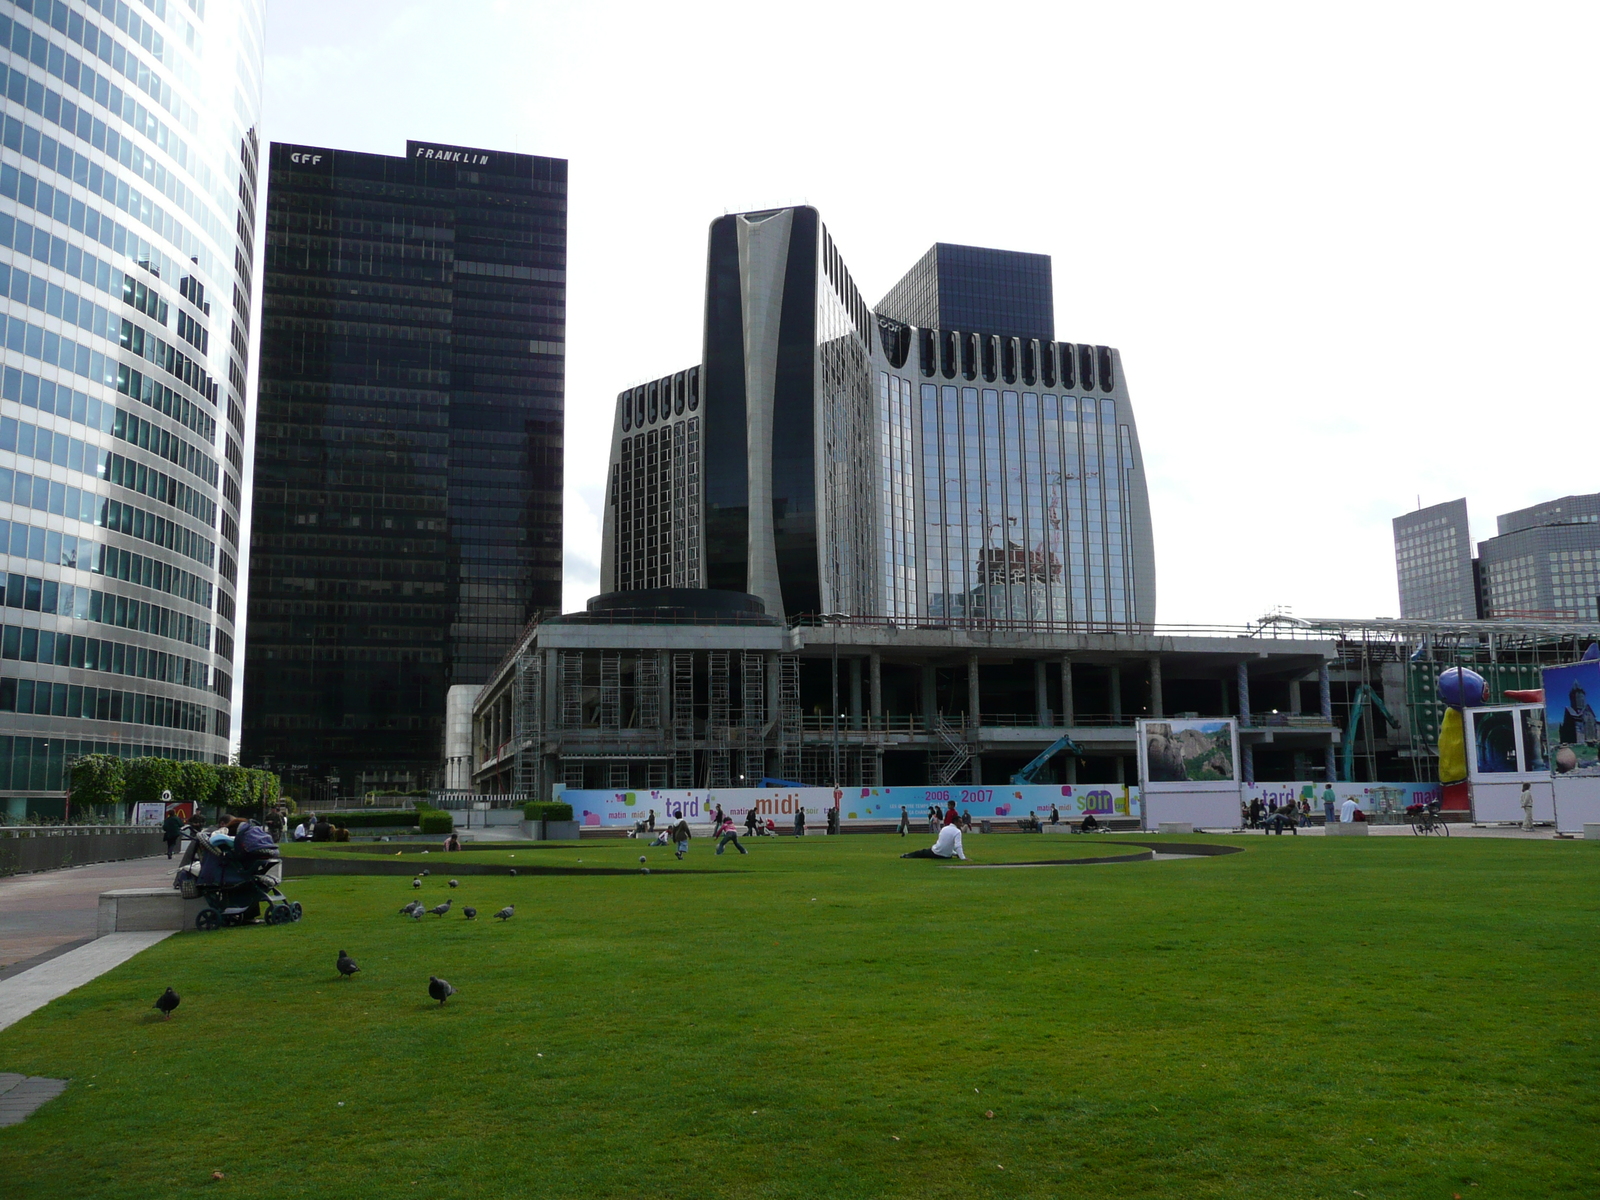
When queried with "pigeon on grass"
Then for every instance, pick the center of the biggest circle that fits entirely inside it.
(406, 911)
(439, 910)
(166, 1002)
(439, 989)
(506, 913)
(416, 913)
(416, 883)
(454, 883)
(469, 912)
(346, 964)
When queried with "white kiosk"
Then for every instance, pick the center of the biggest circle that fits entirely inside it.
(1189, 772)
(1505, 753)
(1574, 734)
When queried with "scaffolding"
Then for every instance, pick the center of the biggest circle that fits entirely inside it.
(789, 723)
(683, 720)
(571, 680)
(527, 723)
(649, 697)
(611, 691)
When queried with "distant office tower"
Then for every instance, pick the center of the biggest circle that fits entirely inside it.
(1545, 561)
(127, 211)
(1433, 560)
(407, 518)
(833, 459)
(976, 289)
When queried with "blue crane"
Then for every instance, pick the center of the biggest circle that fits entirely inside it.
(1347, 757)
(1026, 775)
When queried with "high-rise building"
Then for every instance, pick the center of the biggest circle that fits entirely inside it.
(407, 503)
(977, 289)
(1545, 561)
(833, 459)
(1433, 560)
(127, 217)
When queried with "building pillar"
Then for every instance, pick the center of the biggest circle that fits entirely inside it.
(1330, 766)
(1120, 769)
(855, 693)
(930, 695)
(1115, 673)
(1071, 772)
(1157, 703)
(977, 769)
(1294, 697)
(1325, 693)
(1041, 693)
(1247, 752)
(1227, 704)
(974, 693)
(1243, 674)
(875, 686)
(1068, 715)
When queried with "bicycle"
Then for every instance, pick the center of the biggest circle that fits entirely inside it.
(1426, 820)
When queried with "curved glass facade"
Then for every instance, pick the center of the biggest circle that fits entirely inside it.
(128, 163)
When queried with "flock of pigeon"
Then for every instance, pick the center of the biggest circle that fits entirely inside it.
(439, 989)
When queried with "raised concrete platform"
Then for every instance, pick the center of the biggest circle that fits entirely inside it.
(139, 910)
(36, 987)
(23, 1095)
(1175, 827)
(1347, 829)
(1591, 831)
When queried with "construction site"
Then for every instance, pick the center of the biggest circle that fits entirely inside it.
(681, 688)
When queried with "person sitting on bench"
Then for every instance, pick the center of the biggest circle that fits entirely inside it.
(948, 845)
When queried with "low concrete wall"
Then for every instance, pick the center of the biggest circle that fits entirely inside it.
(1347, 829)
(136, 910)
(46, 849)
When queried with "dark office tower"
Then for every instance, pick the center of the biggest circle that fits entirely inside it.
(976, 289)
(127, 257)
(407, 509)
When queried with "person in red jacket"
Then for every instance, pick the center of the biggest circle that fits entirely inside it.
(950, 815)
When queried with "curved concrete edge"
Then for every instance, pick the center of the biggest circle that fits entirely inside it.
(36, 987)
(300, 868)
(1142, 856)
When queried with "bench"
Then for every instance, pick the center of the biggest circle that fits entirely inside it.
(136, 910)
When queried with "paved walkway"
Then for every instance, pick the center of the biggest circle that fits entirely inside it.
(44, 912)
(1457, 829)
(37, 986)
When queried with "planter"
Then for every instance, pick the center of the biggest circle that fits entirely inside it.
(558, 831)
(532, 831)
(1347, 829)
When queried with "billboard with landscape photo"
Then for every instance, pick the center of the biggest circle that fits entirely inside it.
(1189, 751)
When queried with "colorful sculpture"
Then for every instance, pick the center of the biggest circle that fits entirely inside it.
(1459, 688)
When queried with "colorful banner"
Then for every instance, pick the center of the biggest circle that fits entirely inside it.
(1369, 797)
(1570, 720)
(593, 807)
(149, 812)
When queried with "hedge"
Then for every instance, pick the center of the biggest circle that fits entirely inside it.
(545, 810)
(436, 821)
(373, 820)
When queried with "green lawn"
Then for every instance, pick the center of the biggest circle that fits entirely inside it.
(1383, 1017)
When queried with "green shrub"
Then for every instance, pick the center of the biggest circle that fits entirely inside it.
(436, 821)
(373, 820)
(545, 810)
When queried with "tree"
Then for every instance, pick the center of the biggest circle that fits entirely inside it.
(147, 778)
(98, 781)
(198, 783)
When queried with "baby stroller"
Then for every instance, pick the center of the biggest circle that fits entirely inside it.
(235, 877)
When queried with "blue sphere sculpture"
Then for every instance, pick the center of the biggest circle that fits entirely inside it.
(1462, 688)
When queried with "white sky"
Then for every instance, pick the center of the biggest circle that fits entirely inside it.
(1348, 251)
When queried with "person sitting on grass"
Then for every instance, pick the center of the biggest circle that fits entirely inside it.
(322, 831)
(948, 845)
(452, 842)
(1090, 823)
(966, 821)
(661, 836)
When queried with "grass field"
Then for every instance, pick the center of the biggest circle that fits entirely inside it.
(1383, 1017)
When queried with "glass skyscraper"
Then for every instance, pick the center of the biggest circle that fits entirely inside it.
(940, 458)
(407, 503)
(127, 217)
(1433, 562)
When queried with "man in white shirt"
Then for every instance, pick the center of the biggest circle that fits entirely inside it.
(1347, 812)
(948, 845)
(300, 832)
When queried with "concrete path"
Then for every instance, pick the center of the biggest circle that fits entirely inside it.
(21, 1095)
(48, 910)
(37, 986)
